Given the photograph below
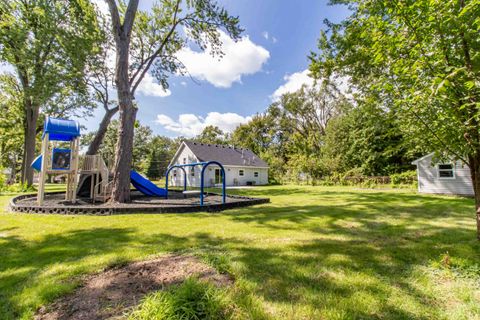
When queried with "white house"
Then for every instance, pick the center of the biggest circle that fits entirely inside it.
(242, 166)
(443, 178)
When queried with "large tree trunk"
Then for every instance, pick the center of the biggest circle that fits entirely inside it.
(123, 154)
(474, 164)
(124, 147)
(31, 113)
(102, 130)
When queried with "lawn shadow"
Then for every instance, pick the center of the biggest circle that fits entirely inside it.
(380, 237)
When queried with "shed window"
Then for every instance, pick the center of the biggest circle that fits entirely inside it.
(255, 174)
(174, 173)
(192, 171)
(446, 171)
(240, 172)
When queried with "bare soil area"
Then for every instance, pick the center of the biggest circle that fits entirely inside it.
(107, 295)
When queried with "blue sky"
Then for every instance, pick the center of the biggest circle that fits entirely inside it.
(273, 56)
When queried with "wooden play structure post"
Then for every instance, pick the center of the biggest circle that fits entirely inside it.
(42, 175)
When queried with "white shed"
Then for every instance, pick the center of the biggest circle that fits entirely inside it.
(242, 166)
(443, 178)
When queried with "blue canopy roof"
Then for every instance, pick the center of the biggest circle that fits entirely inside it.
(61, 129)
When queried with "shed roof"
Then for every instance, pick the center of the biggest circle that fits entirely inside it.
(226, 155)
(61, 129)
(423, 158)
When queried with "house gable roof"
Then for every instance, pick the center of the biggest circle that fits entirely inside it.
(226, 155)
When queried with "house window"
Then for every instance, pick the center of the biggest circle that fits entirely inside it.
(192, 171)
(184, 160)
(446, 171)
(174, 173)
(240, 172)
(255, 174)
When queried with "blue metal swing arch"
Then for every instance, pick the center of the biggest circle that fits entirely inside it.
(202, 183)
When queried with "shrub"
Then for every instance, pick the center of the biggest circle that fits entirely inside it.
(193, 299)
(20, 187)
(407, 177)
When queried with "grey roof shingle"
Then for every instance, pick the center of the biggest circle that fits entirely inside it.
(226, 155)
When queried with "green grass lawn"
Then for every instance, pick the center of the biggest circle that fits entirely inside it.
(312, 253)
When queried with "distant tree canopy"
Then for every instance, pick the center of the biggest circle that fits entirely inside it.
(162, 150)
(213, 135)
(318, 132)
(141, 151)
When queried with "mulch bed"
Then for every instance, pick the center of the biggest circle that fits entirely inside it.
(176, 203)
(110, 293)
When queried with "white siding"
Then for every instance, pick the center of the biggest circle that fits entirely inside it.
(429, 182)
(187, 154)
(232, 172)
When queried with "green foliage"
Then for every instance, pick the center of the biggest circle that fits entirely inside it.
(418, 59)
(212, 135)
(289, 134)
(11, 127)
(19, 187)
(47, 43)
(162, 150)
(367, 138)
(407, 177)
(193, 299)
(142, 144)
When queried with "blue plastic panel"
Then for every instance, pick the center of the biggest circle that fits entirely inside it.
(61, 129)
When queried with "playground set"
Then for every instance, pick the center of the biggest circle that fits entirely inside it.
(88, 183)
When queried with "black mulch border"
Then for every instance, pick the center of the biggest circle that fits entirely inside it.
(131, 208)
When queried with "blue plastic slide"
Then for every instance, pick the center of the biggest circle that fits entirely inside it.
(37, 163)
(146, 186)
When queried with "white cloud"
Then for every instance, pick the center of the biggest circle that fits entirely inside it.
(267, 36)
(240, 58)
(191, 125)
(149, 87)
(293, 82)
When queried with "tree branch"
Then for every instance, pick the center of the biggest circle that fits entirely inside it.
(129, 17)
(150, 59)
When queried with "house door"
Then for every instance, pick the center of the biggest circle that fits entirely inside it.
(218, 176)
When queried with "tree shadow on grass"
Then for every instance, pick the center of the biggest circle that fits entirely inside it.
(321, 273)
(365, 245)
(379, 236)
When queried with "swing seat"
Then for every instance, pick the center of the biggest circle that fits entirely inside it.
(191, 192)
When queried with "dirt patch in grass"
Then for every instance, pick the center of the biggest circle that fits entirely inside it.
(110, 293)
